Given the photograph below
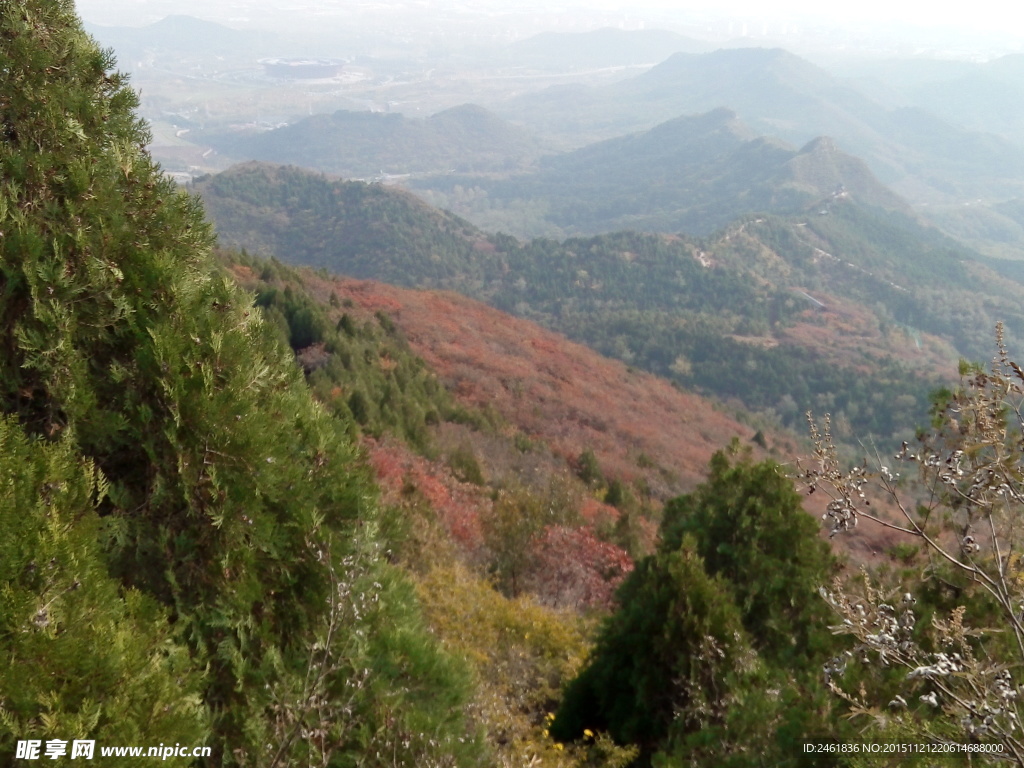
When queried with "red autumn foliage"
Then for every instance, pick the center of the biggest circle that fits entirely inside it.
(848, 335)
(597, 512)
(572, 568)
(567, 396)
(553, 390)
(458, 505)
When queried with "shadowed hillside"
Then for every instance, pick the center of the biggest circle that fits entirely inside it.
(691, 174)
(464, 139)
(780, 94)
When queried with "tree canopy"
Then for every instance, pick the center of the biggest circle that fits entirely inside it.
(713, 654)
(206, 525)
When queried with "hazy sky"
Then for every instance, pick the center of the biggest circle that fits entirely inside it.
(985, 14)
(980, 14)
(997, 17)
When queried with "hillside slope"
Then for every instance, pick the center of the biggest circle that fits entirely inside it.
(780, 94)
(692, 174)
(363, 230)
(463, 139)
(190, 552)
(694, 311)
(557, 392)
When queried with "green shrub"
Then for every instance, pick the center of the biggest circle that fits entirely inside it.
(239, 531)
(83, 658)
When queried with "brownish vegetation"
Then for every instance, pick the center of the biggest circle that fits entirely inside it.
(552, 393)
(555, 391)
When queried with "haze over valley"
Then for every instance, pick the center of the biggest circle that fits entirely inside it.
(830, 176)
(834, 210)
(434, 96)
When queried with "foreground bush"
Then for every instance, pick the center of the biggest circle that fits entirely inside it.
(215, 567)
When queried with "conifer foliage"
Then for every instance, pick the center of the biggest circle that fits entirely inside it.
(712, 657)
(104, 657)
(750, 529)
(188, 551)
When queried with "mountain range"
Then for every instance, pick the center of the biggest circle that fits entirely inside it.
(856, 312)
(181, 35)
(780, 94)
(644, 132)
(690, 174)
(464, 139)
(303, 519)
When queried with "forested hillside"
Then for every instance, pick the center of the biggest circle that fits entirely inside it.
(731, 555)
(498, 496)
(693, 174)
(482, 370)
(375, 231)
(859, 311)
(193, 548)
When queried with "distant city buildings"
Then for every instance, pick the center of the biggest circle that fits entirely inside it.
(302, 69)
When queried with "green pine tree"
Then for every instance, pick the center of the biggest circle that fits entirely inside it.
(714, 656)
(750, 527)
(228, 516)
(667, 664)
(82, 657)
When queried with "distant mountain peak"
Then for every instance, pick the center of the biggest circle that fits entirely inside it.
(821, 164)
(721, 115)
(718, 119)
(820, 145)
(754, 53)
(474, 110)
(180, 23)
(749, 57)
(714, 117)
(721, 74)
(473, 115)
(466, 138)
(601, 47)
